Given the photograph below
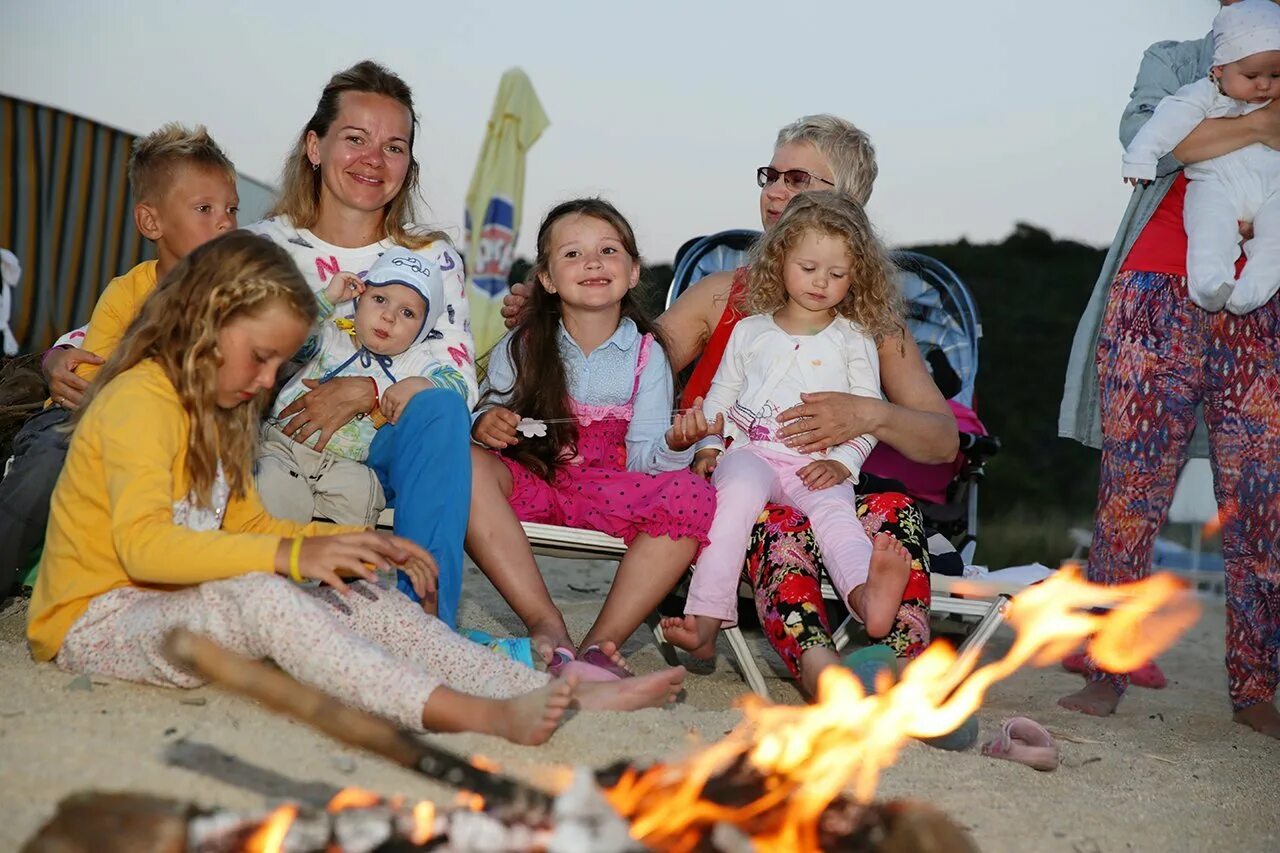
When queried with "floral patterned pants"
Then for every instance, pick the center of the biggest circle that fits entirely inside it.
(783, 566)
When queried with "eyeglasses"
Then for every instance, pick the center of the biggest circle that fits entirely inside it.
(796, 179)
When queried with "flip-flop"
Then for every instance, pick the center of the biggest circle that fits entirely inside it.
(1026, 742)
(564, 663)
(1149, 675)
(595, 657)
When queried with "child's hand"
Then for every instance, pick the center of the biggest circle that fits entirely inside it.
(397, 397)
(496, 428)
(328, 558)
(343, 287)
(690, 427)
(1133, 182)
(823, 474)
(705, 461)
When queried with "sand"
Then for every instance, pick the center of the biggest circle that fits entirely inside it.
(1169, 772)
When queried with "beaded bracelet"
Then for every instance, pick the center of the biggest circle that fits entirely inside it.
(295, 550)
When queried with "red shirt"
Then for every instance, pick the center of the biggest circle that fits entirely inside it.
(705, 370)
(1162, 245)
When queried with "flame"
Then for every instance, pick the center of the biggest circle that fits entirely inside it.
(352, 798)
(486, 764)
(424, 822)
(269, 837)
(470, 800)
(804, 757)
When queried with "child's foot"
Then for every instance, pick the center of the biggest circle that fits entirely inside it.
(531, 718)
(695, 634)
(1097, 699)
(877, 601)
(546, 637)
(1262, 717)
(643, 691)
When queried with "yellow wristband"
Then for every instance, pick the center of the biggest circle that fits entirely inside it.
(295, 551)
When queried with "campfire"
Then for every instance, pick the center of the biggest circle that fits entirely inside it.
(786, 778)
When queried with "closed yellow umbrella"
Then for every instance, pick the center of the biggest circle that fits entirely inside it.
(494, 201)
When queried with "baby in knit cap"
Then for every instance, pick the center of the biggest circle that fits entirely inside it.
(1240, 186)
(398, 303)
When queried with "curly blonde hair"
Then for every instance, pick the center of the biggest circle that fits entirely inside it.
(300, 183)
(237, 274)
(873, 301)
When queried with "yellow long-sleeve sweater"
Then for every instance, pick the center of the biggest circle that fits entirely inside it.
(111, 522)
(117, 307)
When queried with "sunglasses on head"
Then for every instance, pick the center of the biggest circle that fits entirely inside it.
(796, 179)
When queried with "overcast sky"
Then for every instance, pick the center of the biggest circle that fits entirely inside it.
(983, 112)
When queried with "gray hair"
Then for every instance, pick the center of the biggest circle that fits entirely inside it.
(847, 150)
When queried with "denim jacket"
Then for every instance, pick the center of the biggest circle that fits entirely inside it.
(1166, 67)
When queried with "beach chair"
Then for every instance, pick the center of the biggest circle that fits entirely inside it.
(952, 596)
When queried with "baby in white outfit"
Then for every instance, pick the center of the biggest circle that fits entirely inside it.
(1240, 186)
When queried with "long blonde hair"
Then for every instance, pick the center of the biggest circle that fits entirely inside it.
(300, 182)
(234, 275)
(873, 300)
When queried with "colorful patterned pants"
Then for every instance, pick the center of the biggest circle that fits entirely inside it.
(783, 566)
(1159, 356)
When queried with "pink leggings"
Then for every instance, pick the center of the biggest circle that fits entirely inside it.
(747, 478)
(374, 648)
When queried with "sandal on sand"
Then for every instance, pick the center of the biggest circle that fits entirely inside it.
(564, 663)
(1026, 742)
(595, 657)
(1148, 675)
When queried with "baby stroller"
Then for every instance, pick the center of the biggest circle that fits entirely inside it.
(944, 321)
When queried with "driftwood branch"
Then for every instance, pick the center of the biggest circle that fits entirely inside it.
(286, 695)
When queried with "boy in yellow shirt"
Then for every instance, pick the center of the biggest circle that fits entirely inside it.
(184, 187)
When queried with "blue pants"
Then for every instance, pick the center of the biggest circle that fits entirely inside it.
(424, 464)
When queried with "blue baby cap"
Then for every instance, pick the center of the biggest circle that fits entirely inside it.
(399, 265)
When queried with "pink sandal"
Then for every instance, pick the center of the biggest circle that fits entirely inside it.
(1026, 742)
(590, 668)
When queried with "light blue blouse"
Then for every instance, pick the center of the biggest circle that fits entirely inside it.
(605, 377)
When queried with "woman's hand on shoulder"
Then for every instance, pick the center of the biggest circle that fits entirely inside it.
(327, 407)
(330, 558)
(691, 426)
(496, 428)
(66, 387)
(513, 303)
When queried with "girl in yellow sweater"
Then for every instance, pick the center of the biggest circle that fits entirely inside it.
(155, 524)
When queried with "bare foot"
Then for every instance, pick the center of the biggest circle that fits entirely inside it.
(812, 663)
(877, 600)
(695, 634)
(1262, 717)
(531, 718)
(644, 691)
(1097, 699)
(546, 637)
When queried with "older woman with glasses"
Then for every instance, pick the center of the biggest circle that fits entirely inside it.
(783, 563)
